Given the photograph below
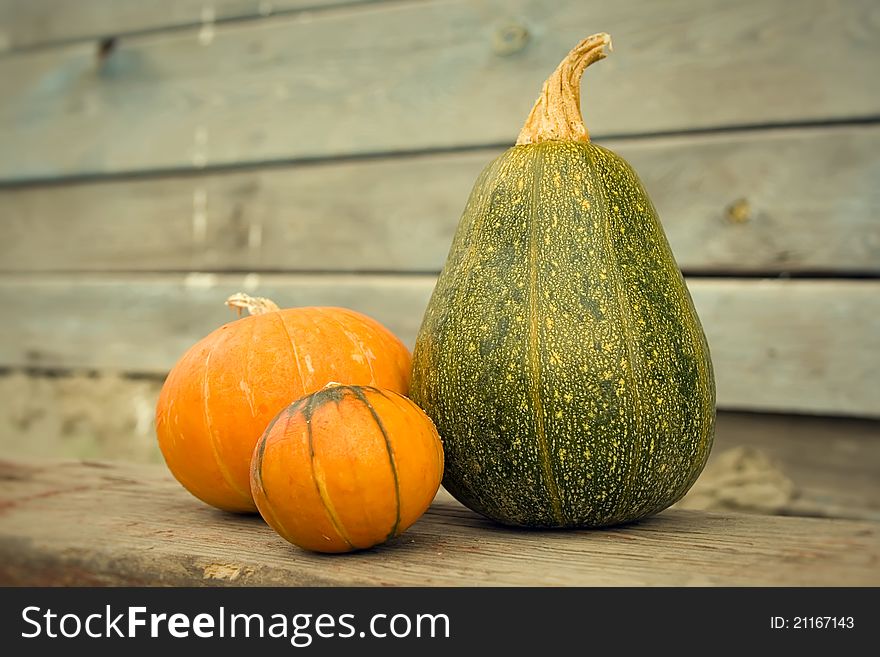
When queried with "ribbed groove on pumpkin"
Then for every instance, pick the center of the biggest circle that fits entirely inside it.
(245, 388)
(468, 240)
(258, 464)
(626, 329)
(212, 439)
(399, 402)
(533, 347)
(353, 339)
(388, 339)
(294, 353)
(320, 484)
(363, 398)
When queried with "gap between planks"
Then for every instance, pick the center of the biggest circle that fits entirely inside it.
(614, 141)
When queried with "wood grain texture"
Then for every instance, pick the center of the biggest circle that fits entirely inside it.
(443, 74)
(777, 345)
(801, 346)
(153, 532)
(766, 201)
(144, 323)
(831, 464)
(29, 23)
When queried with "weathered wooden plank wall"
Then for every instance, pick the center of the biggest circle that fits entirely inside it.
(761, 201)
(325, 156)
(36, 23)
(411, 76)
(788, 345)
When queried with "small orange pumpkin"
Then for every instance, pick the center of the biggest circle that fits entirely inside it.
(346, 468)
(221, 395)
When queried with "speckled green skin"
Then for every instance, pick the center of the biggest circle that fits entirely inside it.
(560, 356)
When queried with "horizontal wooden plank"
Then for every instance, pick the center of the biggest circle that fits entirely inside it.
(760, 463)
(766, 201)
(29, 23)
(802, 346)
(777, 345)
(443, 74)
(155, 533)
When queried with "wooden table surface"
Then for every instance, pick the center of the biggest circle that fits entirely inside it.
(88, 523)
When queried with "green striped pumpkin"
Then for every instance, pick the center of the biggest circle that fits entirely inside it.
(560, 355)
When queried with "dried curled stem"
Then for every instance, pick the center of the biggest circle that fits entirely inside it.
(254, 305)
(556, 115)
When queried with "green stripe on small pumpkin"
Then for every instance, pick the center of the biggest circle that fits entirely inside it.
(358, 393)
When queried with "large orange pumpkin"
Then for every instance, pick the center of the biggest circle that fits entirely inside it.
(346, 468)
(221, 395)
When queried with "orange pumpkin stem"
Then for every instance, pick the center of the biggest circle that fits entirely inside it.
(254, 305)
(556, 115)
